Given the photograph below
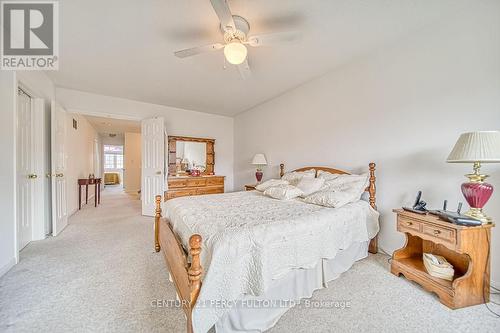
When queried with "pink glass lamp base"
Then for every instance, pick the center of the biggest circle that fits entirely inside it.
(259, 175)
(477, 195)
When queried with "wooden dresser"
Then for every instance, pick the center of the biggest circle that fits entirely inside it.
(466, 248)
(187, 185)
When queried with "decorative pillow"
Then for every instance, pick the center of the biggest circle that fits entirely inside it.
(348, 183)
(327, 175)
(330, 198)
(340, 191)
(310, 185)
(283, 192)
(270, 183)
(294, 177)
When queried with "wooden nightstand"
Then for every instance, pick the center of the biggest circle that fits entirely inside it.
(250, 187)
(466, 248)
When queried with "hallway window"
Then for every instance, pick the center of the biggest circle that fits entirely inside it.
(113, 157)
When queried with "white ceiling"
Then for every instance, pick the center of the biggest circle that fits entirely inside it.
(124, 48)
(104, 125)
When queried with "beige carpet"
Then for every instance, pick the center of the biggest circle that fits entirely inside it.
(101, 274)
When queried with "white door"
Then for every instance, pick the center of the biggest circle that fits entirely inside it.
(153, 163)
(39, 169)
(24, 166)
(58, 136)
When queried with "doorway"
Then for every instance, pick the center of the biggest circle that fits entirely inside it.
(120, 149)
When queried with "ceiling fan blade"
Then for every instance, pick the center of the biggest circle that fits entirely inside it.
(244, 70)
(222, 10)
(272, 38)
(197, 50)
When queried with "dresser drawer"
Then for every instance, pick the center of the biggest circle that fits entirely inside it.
(195, 182)
(176, 183)
(439, 233)
(408, 224)
(215, 181)
(180, 193)
(210, 190)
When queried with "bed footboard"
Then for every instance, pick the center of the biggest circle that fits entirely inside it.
(186, 276)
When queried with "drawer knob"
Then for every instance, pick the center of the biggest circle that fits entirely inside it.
(409, 223)
(437, 232)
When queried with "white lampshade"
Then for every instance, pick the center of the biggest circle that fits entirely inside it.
(473, 147)
(259, 159)
(235, 52)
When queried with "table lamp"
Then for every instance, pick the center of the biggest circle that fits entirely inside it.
(259, 160)
(477, 148)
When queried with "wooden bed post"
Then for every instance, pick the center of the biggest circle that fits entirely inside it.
(371, 188)
(157, 222)
(185, 276)
(282, 170)
(195, 270)
(373, 248)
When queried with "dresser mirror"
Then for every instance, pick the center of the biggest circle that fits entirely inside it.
(187, 154)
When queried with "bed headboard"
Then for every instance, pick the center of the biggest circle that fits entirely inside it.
(371, 189)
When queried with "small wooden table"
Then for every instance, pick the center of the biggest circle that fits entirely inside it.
(97, 190)
(466, 248)
(250, 187)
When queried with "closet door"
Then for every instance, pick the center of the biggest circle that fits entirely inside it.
(58, 134)
(24, 166)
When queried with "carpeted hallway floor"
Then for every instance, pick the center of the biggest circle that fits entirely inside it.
(101, 274)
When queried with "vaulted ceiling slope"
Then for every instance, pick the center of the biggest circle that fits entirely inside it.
(125, 48)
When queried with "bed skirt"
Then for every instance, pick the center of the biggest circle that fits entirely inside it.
(260, 313)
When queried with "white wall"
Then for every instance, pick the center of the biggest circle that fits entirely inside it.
(80, 145)
(7, 171)
(132, 162)
(402, 107)
(118, 140)
(177, 121)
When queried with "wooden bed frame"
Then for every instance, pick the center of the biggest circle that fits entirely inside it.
(187, 276)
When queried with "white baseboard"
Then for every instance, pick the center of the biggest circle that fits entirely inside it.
(5, 268)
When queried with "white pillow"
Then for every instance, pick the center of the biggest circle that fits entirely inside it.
(340, 191)
(348, 183)
(295, 176)
(310, 185)
(327, 175)
(283, 192)
(330, 198)
(270, 183)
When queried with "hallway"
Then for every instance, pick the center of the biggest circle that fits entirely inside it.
(99, 274)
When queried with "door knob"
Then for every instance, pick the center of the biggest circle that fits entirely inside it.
(32, 176)
(158, 172)
(59, 174)
(48, 175)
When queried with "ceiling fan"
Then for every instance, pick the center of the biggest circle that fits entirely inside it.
(235, 31)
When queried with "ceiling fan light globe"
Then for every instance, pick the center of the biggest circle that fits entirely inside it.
(235, 53)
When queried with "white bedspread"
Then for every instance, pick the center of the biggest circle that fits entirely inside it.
(249, 240)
